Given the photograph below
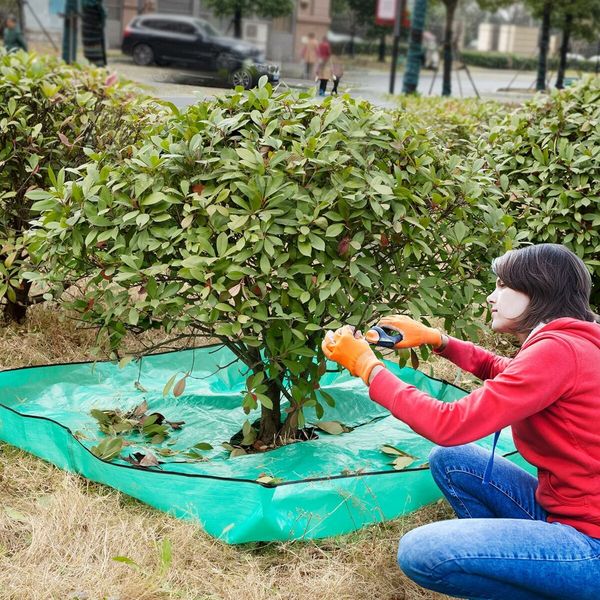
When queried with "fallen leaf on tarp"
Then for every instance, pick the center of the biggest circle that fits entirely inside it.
(237, 452)
(393, 451)
(143, 459)
(179, 387)
(332, 427)
(268, 479)
(108, 449)
(140, 387)
(402, 462)
(140, 409)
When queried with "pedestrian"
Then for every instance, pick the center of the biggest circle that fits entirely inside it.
(324, 49)
(310, 55)
(337, 71)
(518, 536)
(13, 38)
(323, 75)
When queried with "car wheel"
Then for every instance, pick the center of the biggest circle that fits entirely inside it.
(242, 77)
(143, 55)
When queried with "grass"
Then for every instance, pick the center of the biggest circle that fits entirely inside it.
(59, 533)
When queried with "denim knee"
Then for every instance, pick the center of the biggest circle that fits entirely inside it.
(438, 459)
(410, 554)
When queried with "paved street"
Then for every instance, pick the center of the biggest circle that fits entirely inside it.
(184, 87)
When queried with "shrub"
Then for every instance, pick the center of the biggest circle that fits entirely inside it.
(50, 114)
(503, 60)
(546, 157)
(455, 124)
(263, 218)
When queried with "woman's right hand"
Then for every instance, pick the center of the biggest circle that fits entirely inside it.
(413, 333)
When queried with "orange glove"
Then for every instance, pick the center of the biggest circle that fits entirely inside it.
(413, 332)
(351, 352)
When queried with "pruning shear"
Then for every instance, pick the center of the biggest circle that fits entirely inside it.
(378, 336)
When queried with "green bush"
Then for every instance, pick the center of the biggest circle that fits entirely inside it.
(51, 116)
(455, 124)
(263, 218)
(546, 157)
(505, 60)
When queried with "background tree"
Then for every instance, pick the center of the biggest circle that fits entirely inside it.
(360, 18)
(578, 18)
(237, 9)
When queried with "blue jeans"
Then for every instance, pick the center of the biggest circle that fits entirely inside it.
(501, 547)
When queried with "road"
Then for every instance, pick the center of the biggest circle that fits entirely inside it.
(184, 87)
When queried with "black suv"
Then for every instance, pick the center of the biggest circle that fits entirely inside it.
(165, 39)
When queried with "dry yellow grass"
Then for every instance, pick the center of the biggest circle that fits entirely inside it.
(59, 533)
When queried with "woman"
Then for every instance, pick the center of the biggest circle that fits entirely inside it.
(517, 537)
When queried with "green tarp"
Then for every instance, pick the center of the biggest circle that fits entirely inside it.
(329, 486)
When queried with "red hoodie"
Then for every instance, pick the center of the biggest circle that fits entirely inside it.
(550, 395)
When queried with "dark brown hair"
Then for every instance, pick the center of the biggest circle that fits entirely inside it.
(555, 279)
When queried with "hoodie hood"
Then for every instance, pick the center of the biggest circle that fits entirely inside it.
(587, 330)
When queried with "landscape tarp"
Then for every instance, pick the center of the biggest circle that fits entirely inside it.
(328, 486)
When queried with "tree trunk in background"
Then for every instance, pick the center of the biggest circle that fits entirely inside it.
(414, 59)
(564, 48)
(448, 35)
(237, 23)
(381, 57)
(544, 44)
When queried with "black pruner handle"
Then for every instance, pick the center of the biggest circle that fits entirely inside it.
(385, 340)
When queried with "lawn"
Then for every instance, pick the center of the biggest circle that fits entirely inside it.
(59, 533)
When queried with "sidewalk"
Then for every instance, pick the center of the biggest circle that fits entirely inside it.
(183, 86)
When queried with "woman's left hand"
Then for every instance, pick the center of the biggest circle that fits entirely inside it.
(350, 350)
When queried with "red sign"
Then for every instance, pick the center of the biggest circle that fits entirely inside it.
(386, 12)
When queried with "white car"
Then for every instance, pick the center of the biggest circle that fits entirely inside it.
(594, 59)
(575, 57)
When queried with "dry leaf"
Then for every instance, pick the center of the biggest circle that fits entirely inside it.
(402, 462)
(179, 387)
(331, 427)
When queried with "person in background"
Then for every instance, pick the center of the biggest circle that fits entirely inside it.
(337, 71)
(324, 74)
(517, 536)
(13, 38)
(310, 55)
(324, 50)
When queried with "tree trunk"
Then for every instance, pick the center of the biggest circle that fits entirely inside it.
(564, 48)
(237, 23)
(17, 311)
(448, 35)
(415, 49)
(544, 44)
(381, 57)
(270, 419)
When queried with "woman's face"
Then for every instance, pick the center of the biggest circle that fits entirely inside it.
(506, 305)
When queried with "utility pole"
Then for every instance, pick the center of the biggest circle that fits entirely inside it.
(400, 9)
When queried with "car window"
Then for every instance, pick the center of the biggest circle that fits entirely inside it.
(181, 27)
(207, 29)
(159, 24)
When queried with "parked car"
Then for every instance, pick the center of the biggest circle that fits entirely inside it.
(595, 60)
(571, 56)
(164, 39)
